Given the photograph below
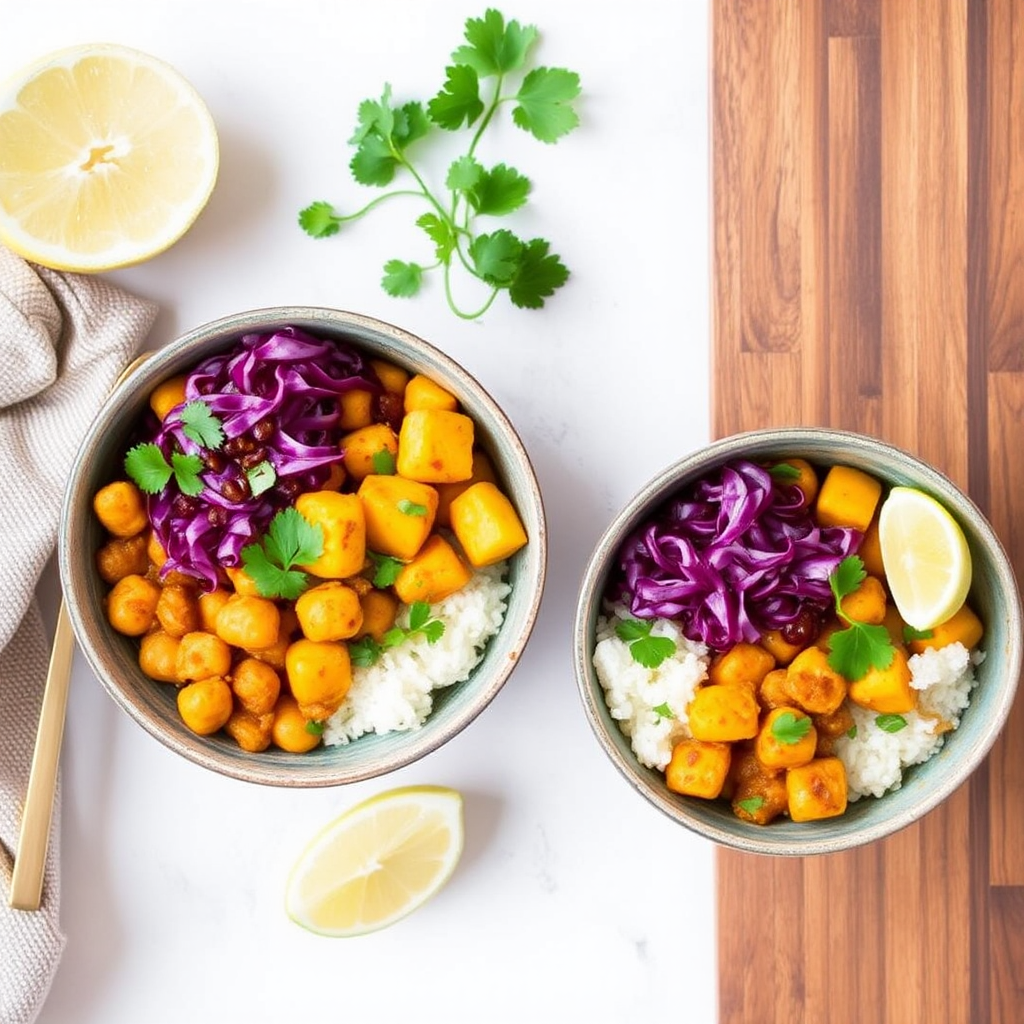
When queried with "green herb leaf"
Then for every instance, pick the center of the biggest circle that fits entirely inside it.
(649, 651)
(784, 471)
(290, 540)
(494, 47)
(496, 257)
(629, 630)
(464, 174)
(315, 728)
(538, 276)
(383, 463)
(419, 614)
(261, 478)
(364, 652)
(910, 633)
(432, 631)
(499, 191)
(545, 103)
(847, 576)
(441, 234)
(855, 650)
(386, 569)
(890, 723)
(186, 469)
(852, 732)
(146, 465)
(319, 220)
(787, 728)
(751, 804)
(374, 162)
(411, 508)
(459, 100)
(401, 279)
(663, 711)
(200, 425)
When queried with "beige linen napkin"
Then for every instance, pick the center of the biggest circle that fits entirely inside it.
(64, 338)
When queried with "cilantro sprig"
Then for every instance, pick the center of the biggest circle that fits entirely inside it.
(385, 569)
(147, 465)
(290, 540)
(788, 729)
(366, 651)
(488, 72)
(649, 651)
(199, 424)
(855, 650)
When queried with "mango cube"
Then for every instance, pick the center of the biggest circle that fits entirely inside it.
(816, 790)
(435, 573)
(399, 514)
(422, 393)
(848, 497)
(486, 524)
(363, 447)
(698, 768)
(340, 518)
(436, 446)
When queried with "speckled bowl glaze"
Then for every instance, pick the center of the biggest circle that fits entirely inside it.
(113, 657)
(994, 595)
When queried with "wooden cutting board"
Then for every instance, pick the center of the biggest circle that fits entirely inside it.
(868, 256)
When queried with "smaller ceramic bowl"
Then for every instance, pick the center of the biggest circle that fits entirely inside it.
(993, 595)
(114, 658)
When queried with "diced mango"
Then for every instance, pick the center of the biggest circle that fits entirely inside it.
(963, 627)
(870, 550)
(483, 469)
(166, 395)
(867, 603)
(422, 393)
(392, 378)
(723, 714)
(319, 675)
(330, 611)
(364, 448)
(816, 790)
(772, 690)
(356, 409)
(698, 768)
(742, 663)
(812, 684)
(399, 514)
(782, 742)
(848, 497)
(434, 573)
(436, 446)
(886, 690)
(486, 524)
(380, 608)
(341, 519)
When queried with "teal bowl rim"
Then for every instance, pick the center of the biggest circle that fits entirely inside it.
(924, 786)
(112, 657)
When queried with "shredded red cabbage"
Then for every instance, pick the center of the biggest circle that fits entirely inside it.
(285, 385)
(736, 555)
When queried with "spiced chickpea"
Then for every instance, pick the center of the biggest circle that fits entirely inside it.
(205, 705)
(123, 556)
(131, 605)
(289, 730)
(158, 656)
(251, 732)
(256, 685)
(248, 622)
(121, 508)
(178, 610)
(201, 655)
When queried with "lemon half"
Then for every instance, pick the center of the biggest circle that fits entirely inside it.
(107, 156)
(378, 862)
(926, 558)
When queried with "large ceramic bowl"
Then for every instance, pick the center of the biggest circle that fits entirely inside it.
(114, 658)
(993, 595)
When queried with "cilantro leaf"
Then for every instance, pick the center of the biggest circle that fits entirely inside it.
(419, 613)
(433, 631)
(364, 652)
(499, 191)
(910, 633)
(440, 233)
(315, 728)
(495, 48)
(290, 540)
(374, 162)
(628, 630)
(852, 732)
(319, 220)
(496, 256)
(459, 99)
(751, 804)
(383, 463)
(847, 576)
(200, 425)
(854, 651)
(464, 174)
(784, 471)
(261, 478)
(186, 469)
(375, 117)
(663, 711)
(649, 651)
(890, 723)
(410, 123)
(787, 728)
(538, 276)
(386, 569)
(146, 465)
(270, 578)
(411, 508)
(402, 279)
(545, 99)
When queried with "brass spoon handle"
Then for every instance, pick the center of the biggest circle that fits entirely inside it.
(34, 837)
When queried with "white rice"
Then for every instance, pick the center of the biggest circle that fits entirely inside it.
(874, 759)
(396, 693)
(632, 692)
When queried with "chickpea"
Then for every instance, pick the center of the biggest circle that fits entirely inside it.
(256, 685)
(121, 508)
(158, 656)
(812, 684)
(867, 602)
(242, 582)
(205, 705)
(380, 608)
(210, 603)
(251, 732)
(319, 674)
(289, 730)
(122, 556)
(131, 605)
(330, 611)
(274, 655)
(249, 622)
(201, 655)
(178, 610)
(155, 551)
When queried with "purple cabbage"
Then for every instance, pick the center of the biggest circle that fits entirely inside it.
(736, 555)
(287, 377)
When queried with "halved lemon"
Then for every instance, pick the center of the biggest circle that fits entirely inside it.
(925, 555)
(107, 156)
(378, 862)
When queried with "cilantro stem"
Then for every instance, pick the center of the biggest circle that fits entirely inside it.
(341, 218)
(454, 306)
(488, 114)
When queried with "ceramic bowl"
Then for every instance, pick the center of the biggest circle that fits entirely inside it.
(993, 595)
(114, 658)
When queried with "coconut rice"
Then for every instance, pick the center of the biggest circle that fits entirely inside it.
(650, 705)
(396, 693)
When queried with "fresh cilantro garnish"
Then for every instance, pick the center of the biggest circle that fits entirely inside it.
(385, 569)
(861, 646)
(784, 471)
(200, 425)
(751, 804)
(789, 729)
(261, 478)
(365, 651)
(315, 728)
(890, 723)
(910, 633)
(290, 540)
(411, 508)
(383, 463)
(852, 732)
(147, 466)
(664, 711)
(649, 651)
(489, 71)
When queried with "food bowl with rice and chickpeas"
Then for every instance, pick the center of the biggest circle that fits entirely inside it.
(302, 547)
(797, 641)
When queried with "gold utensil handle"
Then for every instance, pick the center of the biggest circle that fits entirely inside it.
(30, 858)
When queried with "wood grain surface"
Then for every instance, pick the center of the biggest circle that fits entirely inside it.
(868, 256)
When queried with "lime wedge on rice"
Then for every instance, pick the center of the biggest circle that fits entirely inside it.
(107, 156)
(925, 555)
(378, 862)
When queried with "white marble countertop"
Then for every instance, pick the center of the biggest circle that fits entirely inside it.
(574, 899)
